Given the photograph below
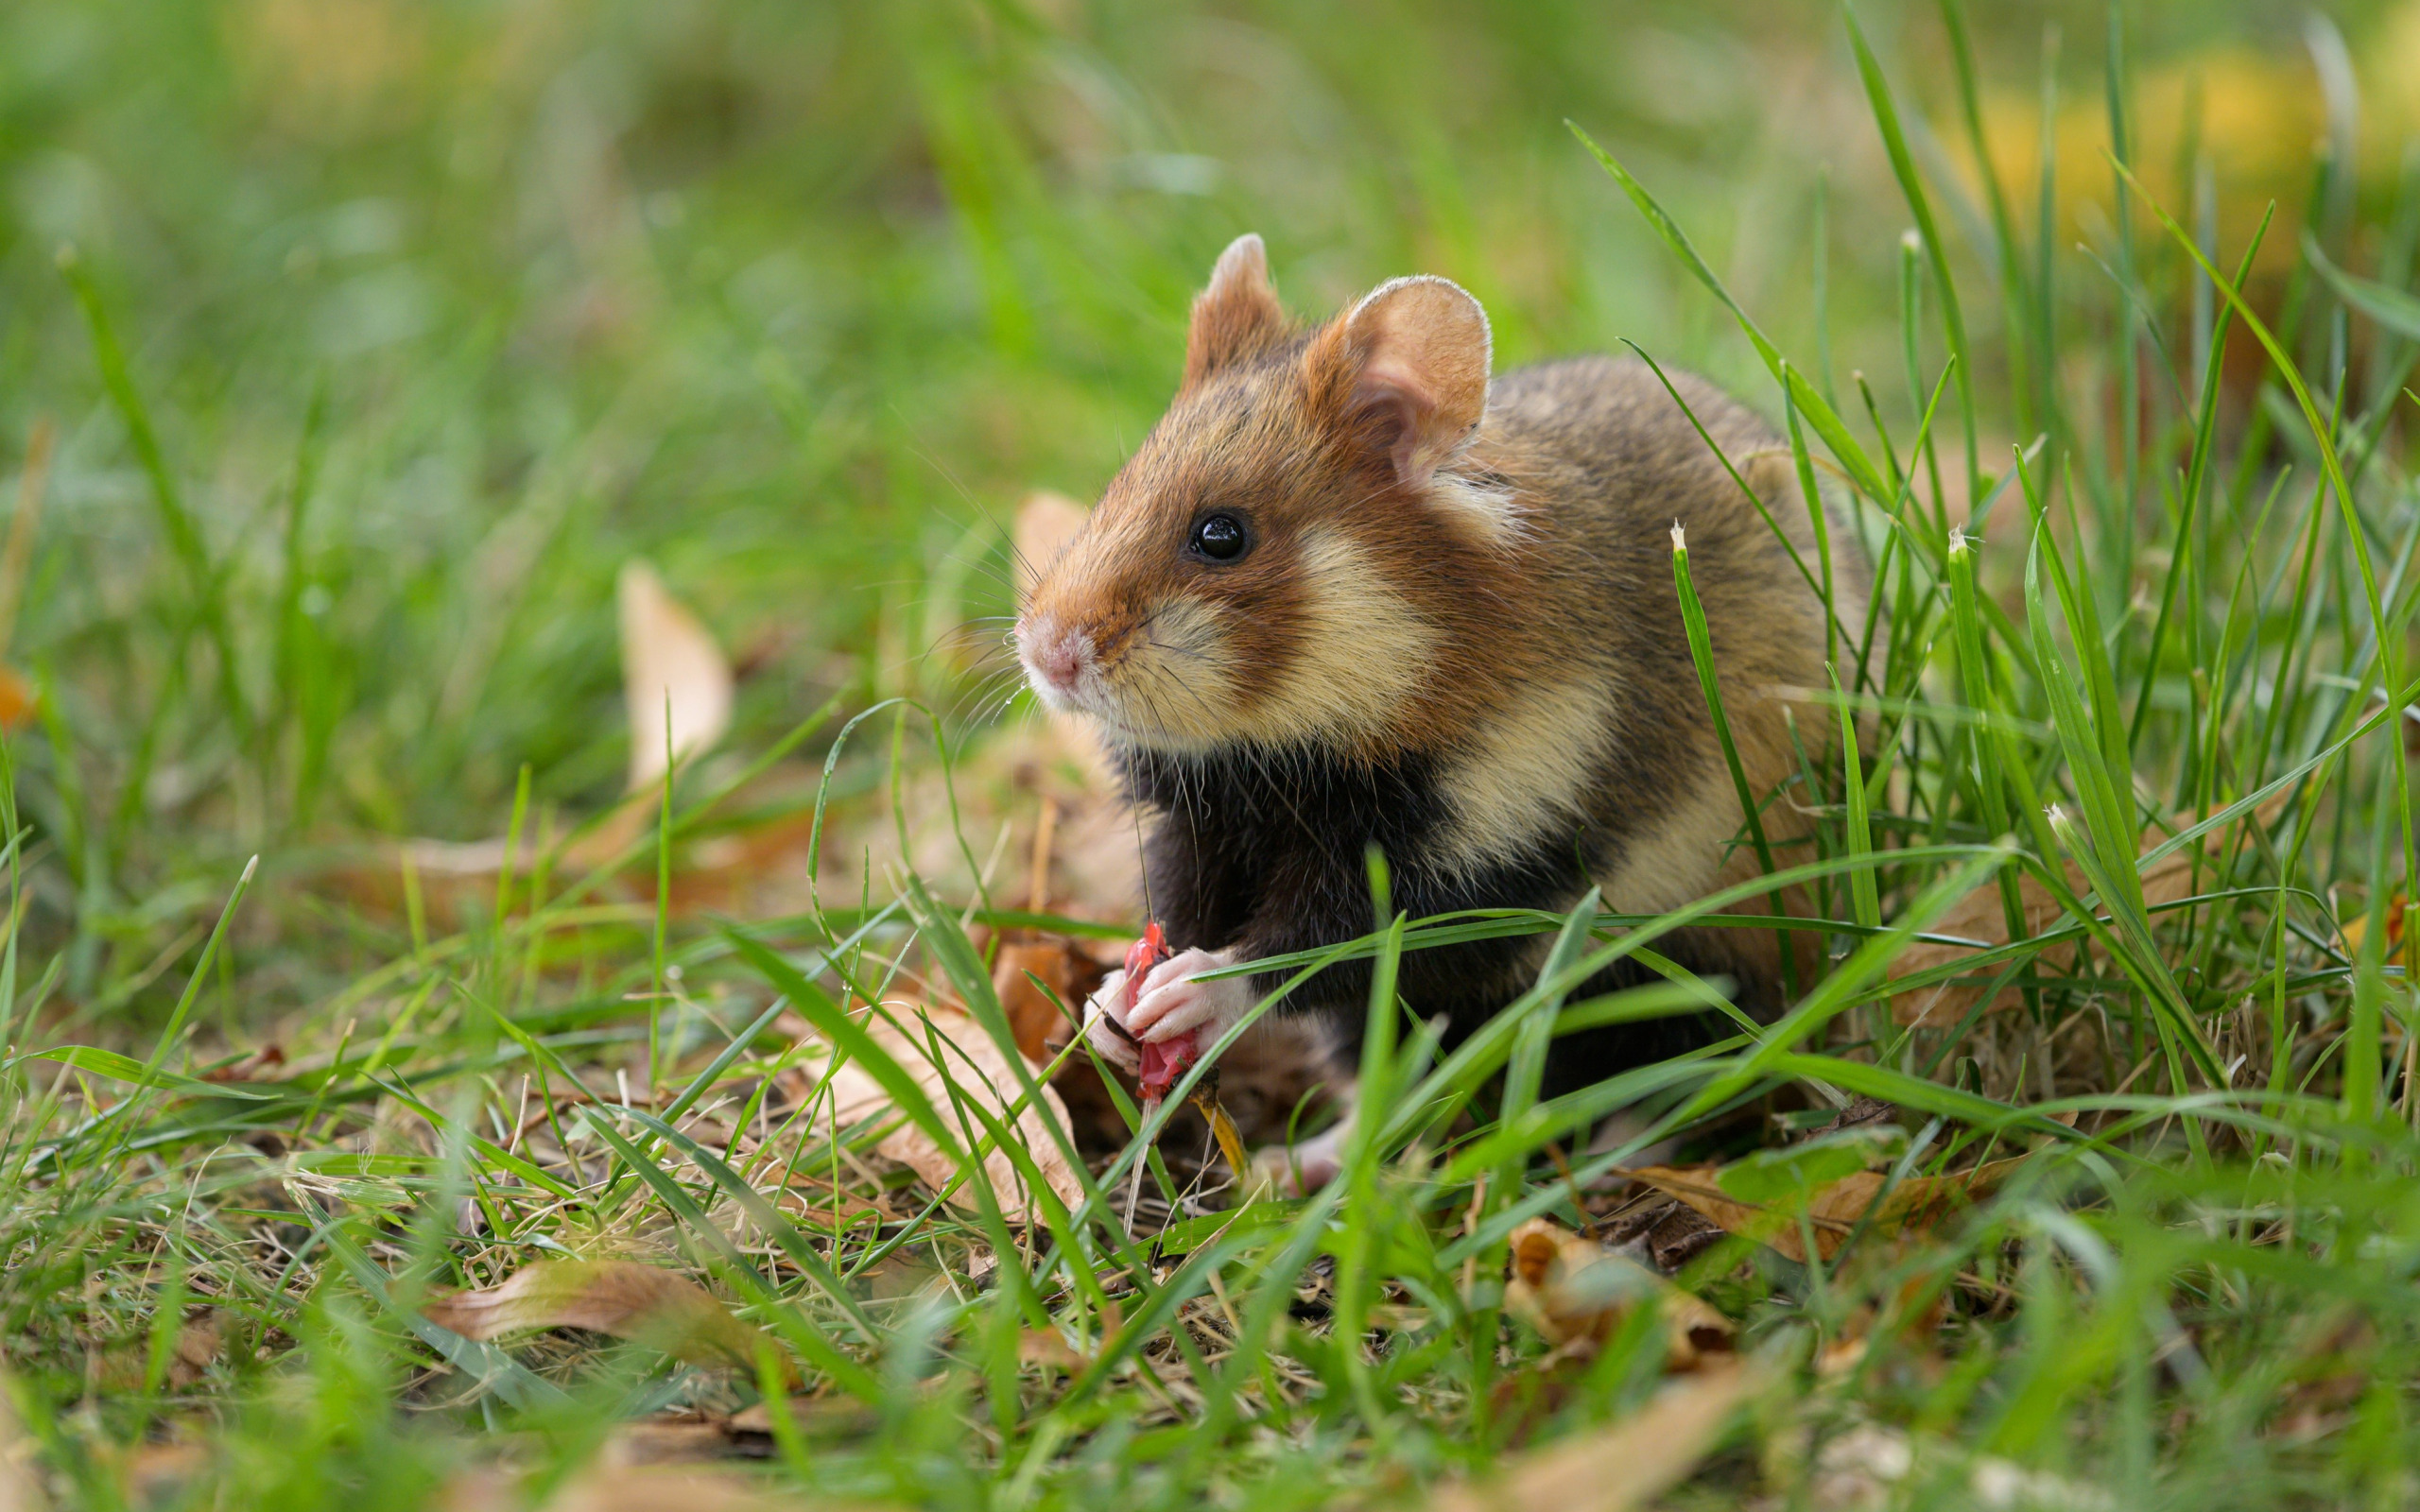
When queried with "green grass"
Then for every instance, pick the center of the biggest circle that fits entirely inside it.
(375, 345)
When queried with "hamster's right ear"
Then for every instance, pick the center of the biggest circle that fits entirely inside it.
(1407, 367)
(1237, 317)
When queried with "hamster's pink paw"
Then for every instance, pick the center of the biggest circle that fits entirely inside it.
(1103, 1015)
(1171, 1003)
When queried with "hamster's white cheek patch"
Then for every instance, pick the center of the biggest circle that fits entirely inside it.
(1174, 683)
(1492, 512)
(1361, 657)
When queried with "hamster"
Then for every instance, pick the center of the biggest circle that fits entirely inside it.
(1355, 590)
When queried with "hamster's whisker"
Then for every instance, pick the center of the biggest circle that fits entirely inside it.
(1175, 650)
(1003, 579)
(983, 690)
(1008, 534)
(1163, 674)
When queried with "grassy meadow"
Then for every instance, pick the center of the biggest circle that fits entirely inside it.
(415, 1097)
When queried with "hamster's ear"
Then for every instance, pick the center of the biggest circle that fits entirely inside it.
(1408, 366)
(1238, 316)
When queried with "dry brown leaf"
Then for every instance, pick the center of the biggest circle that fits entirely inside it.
(124, 1366)
(155, 1473)
(18, 699)
(20, 1482)
(1032, 1016)
(1575, 1292)
(2357, 928)
(671, 668)
(662, 1488)
(1622, 1466)
(614, 1486)
(1046, 523)
(1917, 1203)
(751, 1427)
(1837, 1357)
(804, 1192)
(979, 1072)
(622, 1297)
(668, 1438)
(1981, 916)
(1049, 1347)
(198, 1345)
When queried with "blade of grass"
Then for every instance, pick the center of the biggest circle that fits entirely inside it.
(1702, 653)
(203, 582)
(1903, 167)
(1828, 424)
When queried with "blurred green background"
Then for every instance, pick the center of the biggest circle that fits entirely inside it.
(798, 301)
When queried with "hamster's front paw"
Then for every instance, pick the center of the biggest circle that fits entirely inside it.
(1103, 1013)
(1171, 1004)
(1299, 1170)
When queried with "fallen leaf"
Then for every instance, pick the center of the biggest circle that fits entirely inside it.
(2326, 1372)
(1981, 918)
(672, 669)
(198, 1345)
(2356, 929)
(155, 1473)
(1048, 1347)
(806, 1193)
(615, 1483)
(1786, 1174)
(124, 1366)
(18, 699)
(1046, 523)
(622, 1297)
(1834, 1208)
(977, 1070)
(1575, 1292)
(1622, 1466)
(1837, 1357)
(751, 1427)
(662, 1488)
(20, 1482)
(1034, 1019)
(668, 1438)
(1666, 1232)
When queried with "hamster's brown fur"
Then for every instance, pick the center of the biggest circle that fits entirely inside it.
(1454, 634)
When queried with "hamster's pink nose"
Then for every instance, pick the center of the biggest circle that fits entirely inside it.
(1057, 657)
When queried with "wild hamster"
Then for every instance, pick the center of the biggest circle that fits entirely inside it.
(1352, 591)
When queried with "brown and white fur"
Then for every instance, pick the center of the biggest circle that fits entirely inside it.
(1453, 634)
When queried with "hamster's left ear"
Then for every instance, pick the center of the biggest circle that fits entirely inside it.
(1237, 317)
(1407, 369)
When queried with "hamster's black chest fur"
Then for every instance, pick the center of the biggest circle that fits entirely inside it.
(1265, 853)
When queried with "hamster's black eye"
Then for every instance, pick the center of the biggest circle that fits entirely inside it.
(1220, 537)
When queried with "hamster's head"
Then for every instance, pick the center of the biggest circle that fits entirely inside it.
(1267, 569)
